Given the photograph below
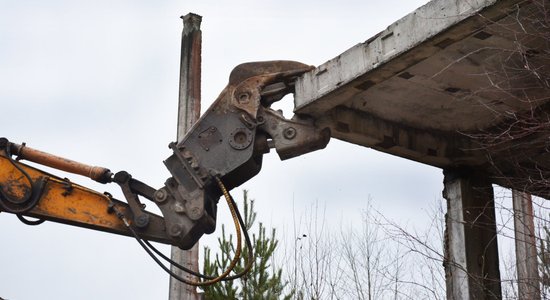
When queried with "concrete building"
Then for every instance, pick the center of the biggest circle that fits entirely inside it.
(460, 85)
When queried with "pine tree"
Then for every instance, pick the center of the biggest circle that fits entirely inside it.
(262, 282)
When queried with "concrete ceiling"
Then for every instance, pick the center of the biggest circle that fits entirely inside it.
(434, 84)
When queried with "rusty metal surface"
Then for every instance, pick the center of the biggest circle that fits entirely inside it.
(229, 141)
(99, 174)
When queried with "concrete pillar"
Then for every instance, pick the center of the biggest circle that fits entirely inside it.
(471, 252)
(189, 108)
(526, 250)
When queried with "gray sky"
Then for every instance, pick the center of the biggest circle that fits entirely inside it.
(97, 82)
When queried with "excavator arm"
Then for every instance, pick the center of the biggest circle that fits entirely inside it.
(30, 192)
(226, 145)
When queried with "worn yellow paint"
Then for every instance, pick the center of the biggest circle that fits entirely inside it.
(69, 203)
(61, 200)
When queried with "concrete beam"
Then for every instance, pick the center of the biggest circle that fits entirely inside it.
(436, 148)
(471, 250)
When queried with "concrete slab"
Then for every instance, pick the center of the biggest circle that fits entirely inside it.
(430, 83)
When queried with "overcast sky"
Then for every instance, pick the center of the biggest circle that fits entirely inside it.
(97, 82)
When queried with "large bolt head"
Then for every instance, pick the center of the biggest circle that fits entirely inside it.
(289, 133)
(160, 195)
(142, 221)
(243, 98)
(194, 212)
(175, 230)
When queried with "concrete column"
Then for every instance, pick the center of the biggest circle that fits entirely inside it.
(471, 252)
(526, 250)
(189, 108)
